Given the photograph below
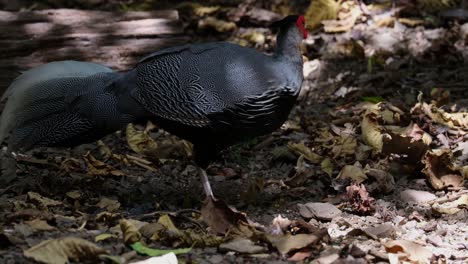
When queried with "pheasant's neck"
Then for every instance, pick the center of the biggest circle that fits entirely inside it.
(288, 46)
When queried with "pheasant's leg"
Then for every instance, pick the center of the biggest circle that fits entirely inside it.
(206, 183)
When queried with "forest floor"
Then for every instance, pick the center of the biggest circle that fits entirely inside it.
(370, 167)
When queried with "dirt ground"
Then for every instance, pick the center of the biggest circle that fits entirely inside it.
(339, 172)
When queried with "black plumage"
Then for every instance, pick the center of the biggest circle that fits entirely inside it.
(213, 95)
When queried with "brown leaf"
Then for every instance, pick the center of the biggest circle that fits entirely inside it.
(42, 201)
(139, 141)
(99, 168)
(303, 172)
(414, 252)
(302, 149)
(242, 245)
(38, 224)
(130, 232)
(110, 205)
(216, 24)
(166, 231)
(440, 170)
(320, 10)
(220, 217)
(371, 130)
(452, 207)
(288, 243)
(438, 115)
(64, 250)
(354, 172)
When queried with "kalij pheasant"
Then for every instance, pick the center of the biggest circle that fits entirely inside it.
(213, 95)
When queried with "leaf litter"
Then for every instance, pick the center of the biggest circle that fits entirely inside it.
(379, 138)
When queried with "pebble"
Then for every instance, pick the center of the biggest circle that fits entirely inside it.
(320, 211)
(242, 245)
(416, 196)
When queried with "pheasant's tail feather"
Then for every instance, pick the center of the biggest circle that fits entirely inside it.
(39, 97)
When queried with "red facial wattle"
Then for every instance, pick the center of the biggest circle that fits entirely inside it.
(301, 25)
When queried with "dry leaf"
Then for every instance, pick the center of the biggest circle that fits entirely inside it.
(327, 166)
(42, 201)
(440, 170)
(303, 172)
(438, 115)
(38, 224)
(110, 205)
(220, 217)
(216, 24)
(102, 237)
(452, 207)
(99, 168)
(354, 172)
(166, 231)
(413, 252)
(64, 250)
(408, 149)
(302, 149)
(139, 141)
(205, 10)
(371, 130)
(320, 10)
(345, 23)
(287, 243)
(130, 232)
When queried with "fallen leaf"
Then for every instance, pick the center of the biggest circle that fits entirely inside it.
(110, 205)
(438, 115)
(320, 10)
(205, 10)
(327, 166)
(287, 243)
(408, 149)
(302, 149)
(64, 250)
(303, 172)
(139, 141)
(413, 252)
(38, 224)
(354, 172)
(452, 207)
(216, 24)
(371, 130)
(440, 170)
(74, 194)
(167, 232)
(345, 23)
(242, 245)
(220, 217)
(105, 236)
(142, 249)
(42, 201)
(130, 232)
(99, 168)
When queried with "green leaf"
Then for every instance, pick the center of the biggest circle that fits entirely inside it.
(373, 99)
(142, 249)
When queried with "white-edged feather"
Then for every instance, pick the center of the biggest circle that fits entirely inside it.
(22, 90)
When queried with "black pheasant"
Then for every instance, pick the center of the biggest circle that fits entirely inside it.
(213, 95)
